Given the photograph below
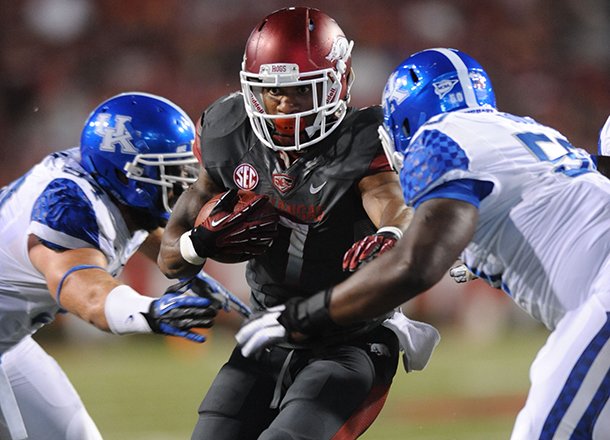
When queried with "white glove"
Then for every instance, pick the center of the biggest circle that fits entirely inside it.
(261, 331)
(461, 274)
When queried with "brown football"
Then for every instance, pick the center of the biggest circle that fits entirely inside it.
(263, 217)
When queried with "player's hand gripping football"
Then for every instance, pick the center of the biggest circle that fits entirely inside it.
(370, 247)
(232, 227)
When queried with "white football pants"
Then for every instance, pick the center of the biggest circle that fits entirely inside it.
(49, 405)
(570, 379)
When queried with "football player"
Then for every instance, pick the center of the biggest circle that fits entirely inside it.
(67, 229)
(291, 136)
(524, 210)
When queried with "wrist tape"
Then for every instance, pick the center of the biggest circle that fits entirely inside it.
(124, 307)
(392, 230)
(187, 250)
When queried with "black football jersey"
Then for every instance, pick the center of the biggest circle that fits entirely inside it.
(316, 195)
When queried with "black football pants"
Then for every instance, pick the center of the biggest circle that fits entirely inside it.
(329, 393)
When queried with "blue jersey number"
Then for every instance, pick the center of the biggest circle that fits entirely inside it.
(569, 160)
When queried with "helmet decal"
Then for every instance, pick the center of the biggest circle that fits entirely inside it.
(138, 147)
(111, 136)
(443, 87)
(340, 50)
(463, 76)
(398, 89)
(426, 84)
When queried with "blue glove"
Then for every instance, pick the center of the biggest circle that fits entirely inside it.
(206, 286)
(175, 314)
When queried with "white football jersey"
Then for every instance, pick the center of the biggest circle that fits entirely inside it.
(63, 206)
(543, 234)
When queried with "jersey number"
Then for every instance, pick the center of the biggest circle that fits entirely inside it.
(569, 160)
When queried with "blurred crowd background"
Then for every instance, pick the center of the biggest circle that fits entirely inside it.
(549, 59)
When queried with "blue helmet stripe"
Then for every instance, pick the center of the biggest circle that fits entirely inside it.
(463, 77)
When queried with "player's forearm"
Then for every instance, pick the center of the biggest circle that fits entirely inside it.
(383, 201)
(84, 294)
(439, 231)
(152, 244)
(170, 261)
(396, 214)
(383, 284)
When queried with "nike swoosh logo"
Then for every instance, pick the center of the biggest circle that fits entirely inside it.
(316, 189)
(166, 305)
(215, 222)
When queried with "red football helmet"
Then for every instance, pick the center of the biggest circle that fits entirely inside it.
(297, 47)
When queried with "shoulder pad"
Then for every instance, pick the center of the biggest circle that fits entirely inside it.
(372, 115)
(432, 154)
(224, 116)
(65, 216)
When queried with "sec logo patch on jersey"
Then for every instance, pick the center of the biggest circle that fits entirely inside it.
(245, 177)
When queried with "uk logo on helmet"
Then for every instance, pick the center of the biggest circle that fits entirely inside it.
(397, 89)
(113, 136)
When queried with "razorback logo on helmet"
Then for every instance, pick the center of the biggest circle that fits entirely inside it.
(339, 50)
(283, 182)
(114, 135)
(245, 176)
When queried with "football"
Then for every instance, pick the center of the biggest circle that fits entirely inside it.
(244, 224)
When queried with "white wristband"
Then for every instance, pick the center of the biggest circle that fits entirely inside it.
(187, 250)
(392, 230)
(124, 307)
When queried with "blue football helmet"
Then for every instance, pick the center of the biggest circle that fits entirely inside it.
(139, 148)
(428, 83)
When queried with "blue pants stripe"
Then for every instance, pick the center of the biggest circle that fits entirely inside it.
(587, 422)
(571, 387)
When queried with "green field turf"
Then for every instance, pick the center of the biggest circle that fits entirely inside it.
(146, 387)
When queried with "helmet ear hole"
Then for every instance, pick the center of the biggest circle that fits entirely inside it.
(121, 177)
(414, 76)
(406, 128)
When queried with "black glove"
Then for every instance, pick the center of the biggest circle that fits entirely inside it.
(175, 314)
